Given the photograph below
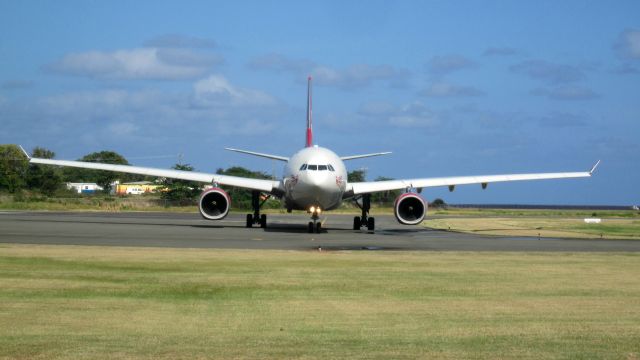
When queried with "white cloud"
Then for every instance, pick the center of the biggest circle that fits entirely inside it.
(123, 128)
(281, 63)
(549, 72)
(444, 89)
(410, 115)
(216, 89)
(500, 51)
(90, 101)
(446, 64)
(562, 120)
(140, 63)
(628, 44)
(375, 108)
(180, 41)
(566, 93)
(17, 84)
(350, 77)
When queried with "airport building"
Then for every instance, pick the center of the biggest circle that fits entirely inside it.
(84, 188)
(134, 188)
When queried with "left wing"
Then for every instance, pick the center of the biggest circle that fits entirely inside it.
(376, 186)
(268, 186)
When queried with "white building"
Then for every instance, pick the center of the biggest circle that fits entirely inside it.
(84, 188)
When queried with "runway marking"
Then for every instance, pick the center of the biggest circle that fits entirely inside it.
(257, 239)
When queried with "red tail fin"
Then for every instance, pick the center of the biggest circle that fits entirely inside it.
(309, 130)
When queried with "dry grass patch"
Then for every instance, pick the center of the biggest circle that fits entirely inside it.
(539, 226)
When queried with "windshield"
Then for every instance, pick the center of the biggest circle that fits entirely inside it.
(317, 167)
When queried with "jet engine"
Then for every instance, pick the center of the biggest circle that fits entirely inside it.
(410, 209)
(214, 204)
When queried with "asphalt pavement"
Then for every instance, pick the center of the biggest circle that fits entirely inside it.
(284, 232)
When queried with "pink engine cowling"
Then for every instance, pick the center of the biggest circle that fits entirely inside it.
(214, 204)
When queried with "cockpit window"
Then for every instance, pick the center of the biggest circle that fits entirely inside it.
(330, 167)
(312, 167)
(322, 167)
(303, 167)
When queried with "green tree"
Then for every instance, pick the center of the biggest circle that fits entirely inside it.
(241, 198)
(45, 178)
(100, 177)
(438, 203)
(13, 168)
(179, 190)
(356, 176)
(385, 197)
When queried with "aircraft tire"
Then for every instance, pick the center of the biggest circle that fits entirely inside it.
(263, 221)
(356, 223)
(318, 227)
(371, 224)
(310, 227)
(249, 220)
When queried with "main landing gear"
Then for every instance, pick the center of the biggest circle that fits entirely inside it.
(364, 220)
(256, 204)
(314, 225)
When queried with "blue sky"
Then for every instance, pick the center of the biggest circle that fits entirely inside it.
(452, 88)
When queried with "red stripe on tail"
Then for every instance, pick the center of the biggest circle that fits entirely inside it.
(309, 129)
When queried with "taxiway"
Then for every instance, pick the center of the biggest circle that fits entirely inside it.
(285, 232)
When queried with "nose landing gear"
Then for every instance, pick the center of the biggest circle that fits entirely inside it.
(364, 220)
(314, 225)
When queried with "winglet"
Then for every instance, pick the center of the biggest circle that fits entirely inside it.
(25, 152)
(594, 167)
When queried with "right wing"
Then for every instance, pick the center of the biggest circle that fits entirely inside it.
(377, 186)
(268, 156)
(267, 186)
(351, 157)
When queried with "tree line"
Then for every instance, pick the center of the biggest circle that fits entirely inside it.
(16, 174)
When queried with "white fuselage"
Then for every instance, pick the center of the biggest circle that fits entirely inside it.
(314, 176)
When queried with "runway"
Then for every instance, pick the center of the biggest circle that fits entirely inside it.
(285, 232)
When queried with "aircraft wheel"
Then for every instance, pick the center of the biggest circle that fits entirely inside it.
(356, 223)
(249, 220)
(263, 221)
(371, 224)
(310, 227)
(318, 227)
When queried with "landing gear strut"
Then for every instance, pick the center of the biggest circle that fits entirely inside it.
(364, 220)
(314, 225)
(256, 204)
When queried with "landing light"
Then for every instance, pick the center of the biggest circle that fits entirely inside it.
(315, 210)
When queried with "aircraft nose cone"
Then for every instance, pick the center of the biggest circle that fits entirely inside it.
(319, 181)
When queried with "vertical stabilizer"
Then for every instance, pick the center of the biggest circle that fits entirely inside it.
(309, 129)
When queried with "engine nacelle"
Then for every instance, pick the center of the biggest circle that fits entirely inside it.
(214, 204)
(410, 209)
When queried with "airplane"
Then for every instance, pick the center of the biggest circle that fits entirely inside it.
(314, 179)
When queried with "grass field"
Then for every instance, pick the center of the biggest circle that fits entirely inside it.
(72, 302)
(564, 227)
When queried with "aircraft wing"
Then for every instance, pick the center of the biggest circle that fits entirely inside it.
(376, 186)
(268, 186)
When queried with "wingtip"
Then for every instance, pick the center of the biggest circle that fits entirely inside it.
(25, 152)
(593, 169)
